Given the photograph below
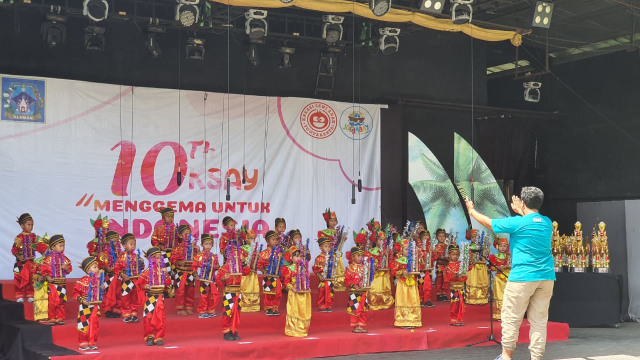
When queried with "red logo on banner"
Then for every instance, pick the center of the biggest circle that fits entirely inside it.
(318, 120)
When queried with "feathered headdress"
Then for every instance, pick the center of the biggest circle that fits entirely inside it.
(328, 215)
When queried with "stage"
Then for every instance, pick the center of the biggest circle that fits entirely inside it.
(263, 337)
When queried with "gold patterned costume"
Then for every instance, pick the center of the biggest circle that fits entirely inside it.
(407, 310)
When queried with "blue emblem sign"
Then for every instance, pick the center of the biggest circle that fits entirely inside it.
(23, 100)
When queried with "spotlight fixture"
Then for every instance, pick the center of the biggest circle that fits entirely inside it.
(532, 91)
(252, 55)
(195, 49)
(461, 11)
(542, 14)
(94, 38)
(187, 12)
(389, 41)
(434, 6)
(332, 28)
(379, 7)
(96, 10)
(54, 31)
(152, 43)
(256, 26)
(286, 57)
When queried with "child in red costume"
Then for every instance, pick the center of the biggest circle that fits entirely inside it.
(87, 292)
(55, 268)
(455, 278)
(230, 276)
(231, 233)
(440, 258)
(128, 267)
(151, 286)
(24, 249)
(358, 305)
(270, 263)
(106, 261)
(204, 267)
(325, 286)
(182, 258)
(425, 283)
(165, 237)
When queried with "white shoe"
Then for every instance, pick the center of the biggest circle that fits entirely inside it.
(20, 300)
(30, 300)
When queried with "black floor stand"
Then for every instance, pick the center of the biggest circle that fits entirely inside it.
(491, 338)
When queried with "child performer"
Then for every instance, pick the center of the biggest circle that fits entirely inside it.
(151, 286)
(55, 268)
(296, 280)
(425, 282)
(101, 227)
(106, 261)
(477, 286)
(501, 261)
(128, 267)
(407, 311)
(88, 292)
(204, 267)
(280, 226)
(182, 257)
(380, 297)
(230, 234)
(440, 258)
(165, 237)
(250, 287)
(269, 264)
(455, 278)
(325, 286)
(40, 285)
(332, 221)
(230, 276)
(358, 305)
(23, 249)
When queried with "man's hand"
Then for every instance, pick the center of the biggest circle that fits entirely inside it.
(517, 205)
(469, 203)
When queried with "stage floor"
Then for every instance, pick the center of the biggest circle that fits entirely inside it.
(263, 337)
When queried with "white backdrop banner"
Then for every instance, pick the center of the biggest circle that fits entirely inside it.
(72, 150)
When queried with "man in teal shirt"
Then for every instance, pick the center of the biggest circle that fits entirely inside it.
(530, 283)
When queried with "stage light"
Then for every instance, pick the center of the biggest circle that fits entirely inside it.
(152, 45)
(187, 12)
(96, 10)
(94, 38)
(532, 91)
(542, 14)
(434, 6)
(256, 26)
(252, 55)
(195, 49)
(389, 41)
(379, 7)
(286, 57)
(332, 28)
(461, 11)
(54, 31)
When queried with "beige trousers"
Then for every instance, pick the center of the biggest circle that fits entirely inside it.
(533, 298)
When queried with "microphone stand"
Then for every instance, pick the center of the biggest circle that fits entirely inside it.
(491, 338)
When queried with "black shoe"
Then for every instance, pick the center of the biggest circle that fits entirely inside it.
(150, 341)
(429, 304)
(127, 319)
(84, 348)
(134, 319)
(112, 315)
(275, 313)
(229, 336)
(236, 337)
(268, 312)
(94, 347)
(160, 342)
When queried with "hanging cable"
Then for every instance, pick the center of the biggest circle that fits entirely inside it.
(206, 149)
(228, 93)
(131, 152)
(121, 147)
(264, 154)
(179, 176)
(353, 103)
(244, 126)
(472, 124)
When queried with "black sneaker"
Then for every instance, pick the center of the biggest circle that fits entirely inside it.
(229, 336)
(134, 319)
(275, 313)
(112, 315)
(94, 347)
(84, 348)
(235, 336)
(150, 341)
(127, 319)
(160, 342)
(269, 312)
(429, 304)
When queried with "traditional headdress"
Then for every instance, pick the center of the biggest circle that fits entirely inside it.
(126, 237)
(97, 223)
(360, 238)
(55, 239)
(24, 218)
(226, 220)
(454, 248)
(328, 215)
(154, 250)
(270, 235)
(111, 235)
(245, 231)
(373, 225)
(87, 262)
(425, 232)
(166, 211)
(470, 233)
(280, 220)
(322, 240)
(497, 241)
(182, 228)
(294, 232)
(205, 237)
(377, 234)
(441, 231)
(356, 250)
(43, 244)
(290, 252)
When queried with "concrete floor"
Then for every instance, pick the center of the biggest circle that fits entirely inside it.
(584, 344)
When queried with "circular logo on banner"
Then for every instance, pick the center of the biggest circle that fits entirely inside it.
(356, 123)
(318, 120)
